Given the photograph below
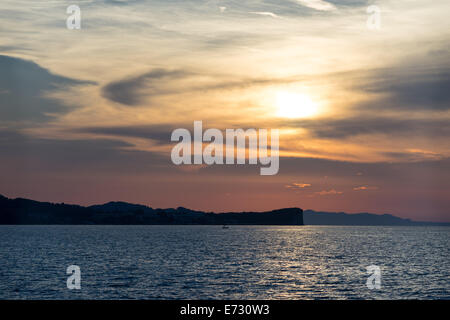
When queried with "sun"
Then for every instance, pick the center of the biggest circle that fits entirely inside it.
(295, 105)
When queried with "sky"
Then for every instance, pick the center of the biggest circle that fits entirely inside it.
(86, 115)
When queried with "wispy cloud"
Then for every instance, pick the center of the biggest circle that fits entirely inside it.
(133, 90)
(130, 92)
(295, 185)
(409, 87)
(371, 124)
(157, 133)
(416, 155)
(361, 188)
(327, 193)
(265, 13)
(317, 4)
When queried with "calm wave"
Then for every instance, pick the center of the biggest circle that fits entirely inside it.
(208, 262)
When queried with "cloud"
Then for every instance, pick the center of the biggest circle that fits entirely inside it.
(27, 156)
(121, 2)
(134, 91)
(130, 91)
(365, 188)
(415, 155)
(265, 13)
(330, 128)
(409, 88)
(13, 48)
(327, 193)
(317, 5)
(24, 90)
(295, 185)
(380, 171)
(157, 133)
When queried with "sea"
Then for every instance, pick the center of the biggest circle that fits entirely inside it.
(212, 262)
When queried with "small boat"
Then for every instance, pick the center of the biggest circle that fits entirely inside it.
(225, 227)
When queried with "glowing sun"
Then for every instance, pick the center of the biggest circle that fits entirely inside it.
(295, 105)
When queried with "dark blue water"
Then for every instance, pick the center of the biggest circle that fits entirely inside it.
(208, 262)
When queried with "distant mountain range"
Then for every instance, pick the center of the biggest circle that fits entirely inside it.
(24, 211)
(311, 217)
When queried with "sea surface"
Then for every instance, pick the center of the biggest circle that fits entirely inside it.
(209, 262)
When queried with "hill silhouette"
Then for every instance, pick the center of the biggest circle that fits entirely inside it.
(25, 211)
